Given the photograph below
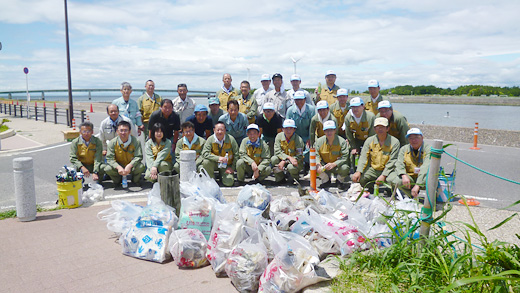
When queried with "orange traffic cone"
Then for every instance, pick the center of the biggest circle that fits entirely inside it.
(54, 104)
(91, 110)
(44, 104)
(73, 124)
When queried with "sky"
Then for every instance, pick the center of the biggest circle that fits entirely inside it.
(442, 43)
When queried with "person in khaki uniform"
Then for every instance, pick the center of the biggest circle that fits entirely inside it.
(329, 91)
(189, 141)
(358, 125)
(148, 103)
(412, 164)
(124, 156)
(378, 156)
(214, 153)
(288, 152)
(375, 97)
(254, 156)
(157, 153)
(247, 104)
(316, 127)
(86, 153)
(397, 122)
(340, 109)
(332, 155)
(227, 91)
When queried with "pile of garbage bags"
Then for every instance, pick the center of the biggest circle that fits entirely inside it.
(263, 243)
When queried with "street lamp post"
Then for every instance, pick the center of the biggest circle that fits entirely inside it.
(71, 108)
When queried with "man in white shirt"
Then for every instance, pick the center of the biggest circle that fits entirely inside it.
(296, 82)
(108, 127)
(278, 96)
(182, 105)
(259, 94)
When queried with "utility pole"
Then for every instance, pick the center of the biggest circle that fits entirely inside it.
(71, 108)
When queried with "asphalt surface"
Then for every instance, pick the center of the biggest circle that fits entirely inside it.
(489, 191)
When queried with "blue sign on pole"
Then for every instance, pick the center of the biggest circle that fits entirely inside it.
(26, 70)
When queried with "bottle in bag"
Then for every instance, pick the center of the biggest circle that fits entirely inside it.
(124, 183)
(376, 189)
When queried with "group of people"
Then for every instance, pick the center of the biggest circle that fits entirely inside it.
(254, 135)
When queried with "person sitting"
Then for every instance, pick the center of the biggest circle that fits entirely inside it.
(412, 163)
(288, 152)
(189, 141)
(398, 125)
(157, 153)
(200, 120)
(86, 153)
(378, 156)
(270, 124)
(254, 156)
(235, 122)
(219, 153)
(124, 156)
(332, 156)
(316, 128)
(108, 127)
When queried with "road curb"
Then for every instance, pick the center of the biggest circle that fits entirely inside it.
(7, 133)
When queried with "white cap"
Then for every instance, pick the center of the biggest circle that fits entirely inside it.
(342, 92)
(268, 106)
(265, 76)
(413, 131)
(356, 101)
(384, 104)
(330, 72)
(252, 126)
(322, 105)
(295, 77)
(329, 124)
(373, 83)
(299, 95)
(381, 121)
(289, 123)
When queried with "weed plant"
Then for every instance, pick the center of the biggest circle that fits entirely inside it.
(442, 262)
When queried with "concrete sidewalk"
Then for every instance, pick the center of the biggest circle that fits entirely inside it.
(73, 251)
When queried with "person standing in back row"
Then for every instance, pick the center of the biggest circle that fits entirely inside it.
(375, 97)
(278, 96)
(329, 91)
(260, 93)
(227, 91)
(128, 107)
(148, 103)
(183, 105)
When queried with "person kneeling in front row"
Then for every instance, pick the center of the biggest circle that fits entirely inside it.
(288, 152)
(189, 141)
(219, 153)
(157, 153)
(86, 153)
(332, 155)
(254, 156)
(124, 156)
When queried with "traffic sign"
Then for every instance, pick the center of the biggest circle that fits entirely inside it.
(26, 70)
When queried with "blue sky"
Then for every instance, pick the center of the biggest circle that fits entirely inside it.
(444, 43)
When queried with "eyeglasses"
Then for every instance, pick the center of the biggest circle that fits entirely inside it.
(123, 130)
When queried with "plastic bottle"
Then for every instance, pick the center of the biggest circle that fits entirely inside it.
(224, 165)
(124, 183)
(376, 189)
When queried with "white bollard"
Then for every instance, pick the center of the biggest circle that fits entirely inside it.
(187, 164)
(24, 189)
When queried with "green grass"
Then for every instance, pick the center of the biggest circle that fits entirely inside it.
(12, 213)
(440, 263)
(3, 128)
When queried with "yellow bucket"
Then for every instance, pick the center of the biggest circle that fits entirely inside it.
(70, 194)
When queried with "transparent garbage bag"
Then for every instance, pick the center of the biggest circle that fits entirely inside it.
(188, 248)
(197, 212)
(254, 196)
(148, 243)
(94, 193)
(121, 216)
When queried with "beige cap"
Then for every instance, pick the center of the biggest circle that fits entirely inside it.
(381, 121)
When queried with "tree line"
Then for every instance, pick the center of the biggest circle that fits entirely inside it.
(469, 90)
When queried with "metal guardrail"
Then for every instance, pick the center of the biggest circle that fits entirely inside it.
(57, 115)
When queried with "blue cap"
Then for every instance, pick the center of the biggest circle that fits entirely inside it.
(213, 101)
(200, 108)
(384, 104)
(329, 124)
(322, 105)
(356, 101)
(413, 131)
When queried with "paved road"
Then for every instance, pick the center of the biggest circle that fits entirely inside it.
(490, 191)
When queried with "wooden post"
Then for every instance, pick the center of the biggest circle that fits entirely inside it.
(433, 181)
(170, 191)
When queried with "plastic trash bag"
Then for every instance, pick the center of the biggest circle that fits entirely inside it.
(158, 214)
(210, 186)
(292, 269)
(202, 185)
(188, 248)
(197, 212)
(121, 216)
(148, 243)
(154, 196)
(254, 196)
(94, 193)
(246, 262)
(227, 232)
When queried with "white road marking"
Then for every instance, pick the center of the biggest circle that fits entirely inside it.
(480, 198)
